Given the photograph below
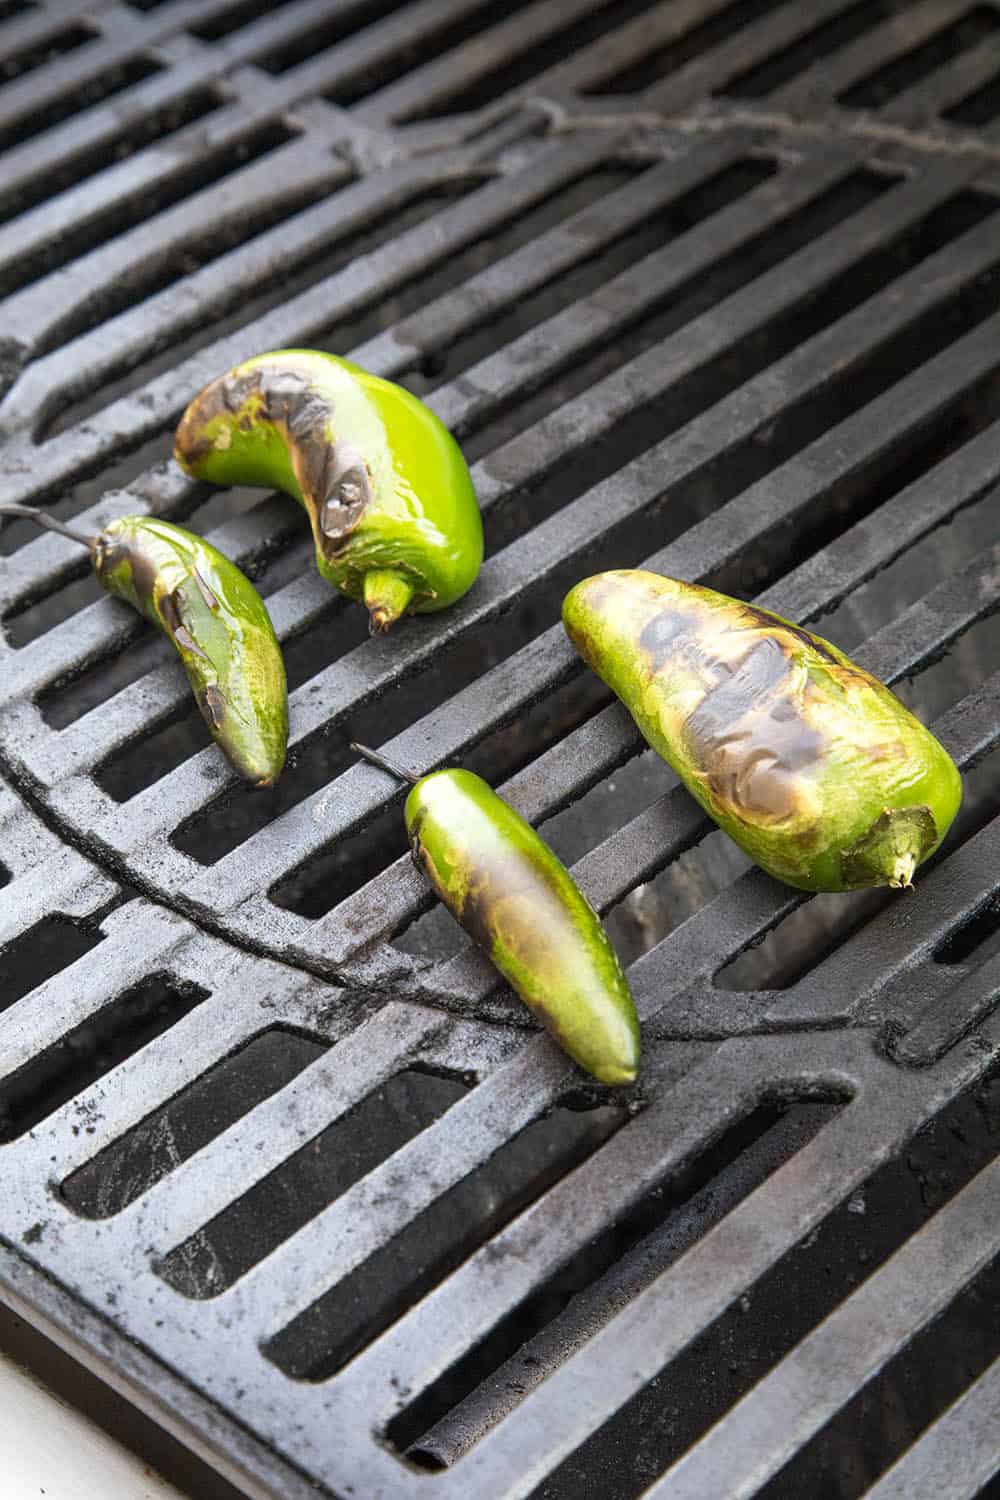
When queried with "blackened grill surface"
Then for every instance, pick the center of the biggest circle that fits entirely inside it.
(711, 286)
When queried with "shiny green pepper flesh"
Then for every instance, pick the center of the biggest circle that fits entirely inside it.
(806, 761)
(394, 516)
(523, 908)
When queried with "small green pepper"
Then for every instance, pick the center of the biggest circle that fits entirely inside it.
(523, 908)
(394, 516)
(216, 620)
(809, 763)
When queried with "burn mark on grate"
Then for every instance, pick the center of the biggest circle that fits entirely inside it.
(879, 87)
(328, 1334)
(17, 64)
(40, 952)
(654, 1232)
(90, 1050)
(201, 1111)
(661, 1422)
(306, 1182)
(843, 28)
(663, 61)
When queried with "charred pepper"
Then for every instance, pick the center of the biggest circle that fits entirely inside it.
(523, 908)
(394, 516)
(808, 762)
(216, 620)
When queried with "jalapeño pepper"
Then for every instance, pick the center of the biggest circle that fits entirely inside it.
(523, 908)
(216, 620)
(808, 762)
(394, 516)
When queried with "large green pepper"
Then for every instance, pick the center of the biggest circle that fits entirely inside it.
(216, 621)
(809, 763)
(394, 516)
(523, 908)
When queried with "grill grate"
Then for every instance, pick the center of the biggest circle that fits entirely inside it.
(711, 285)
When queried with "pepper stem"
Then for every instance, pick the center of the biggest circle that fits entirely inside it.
(47, 523)
(385, 765)
(891, 849)
(387, 595)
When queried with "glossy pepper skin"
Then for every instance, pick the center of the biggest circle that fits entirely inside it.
(523, 908)
(808, 762)
(219, 627)
(388, 494)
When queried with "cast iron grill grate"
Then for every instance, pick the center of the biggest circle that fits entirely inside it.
(713, 286)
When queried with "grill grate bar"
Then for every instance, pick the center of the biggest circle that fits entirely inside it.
(738, 54)
(827, 78)
(956, 1457)
(823, 1372)
(196, 1191)
(657, 1324)
(948, 85)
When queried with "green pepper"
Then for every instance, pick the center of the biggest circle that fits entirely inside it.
(394, 516)
(216, 620)
(523, 908)
(808, 762)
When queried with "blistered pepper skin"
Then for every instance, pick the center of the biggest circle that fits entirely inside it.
(523, 908)
(809, 763)
(219, 627)
(394, 515)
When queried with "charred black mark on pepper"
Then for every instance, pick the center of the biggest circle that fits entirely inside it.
(213, 706)
(660, 637)
(205, 592)
(767, 621)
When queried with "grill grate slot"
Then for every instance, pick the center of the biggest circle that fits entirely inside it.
(306, 1182)
(323, 1339)
(89, 1051)
(688, 1396)
(139, 1159)
(44, 950)
(951, 41)
(845, 27)
(525, 1346)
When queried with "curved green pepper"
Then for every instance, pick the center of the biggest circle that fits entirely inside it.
(809, 763)
(523, 908)
(394, 516)
(216, 621)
